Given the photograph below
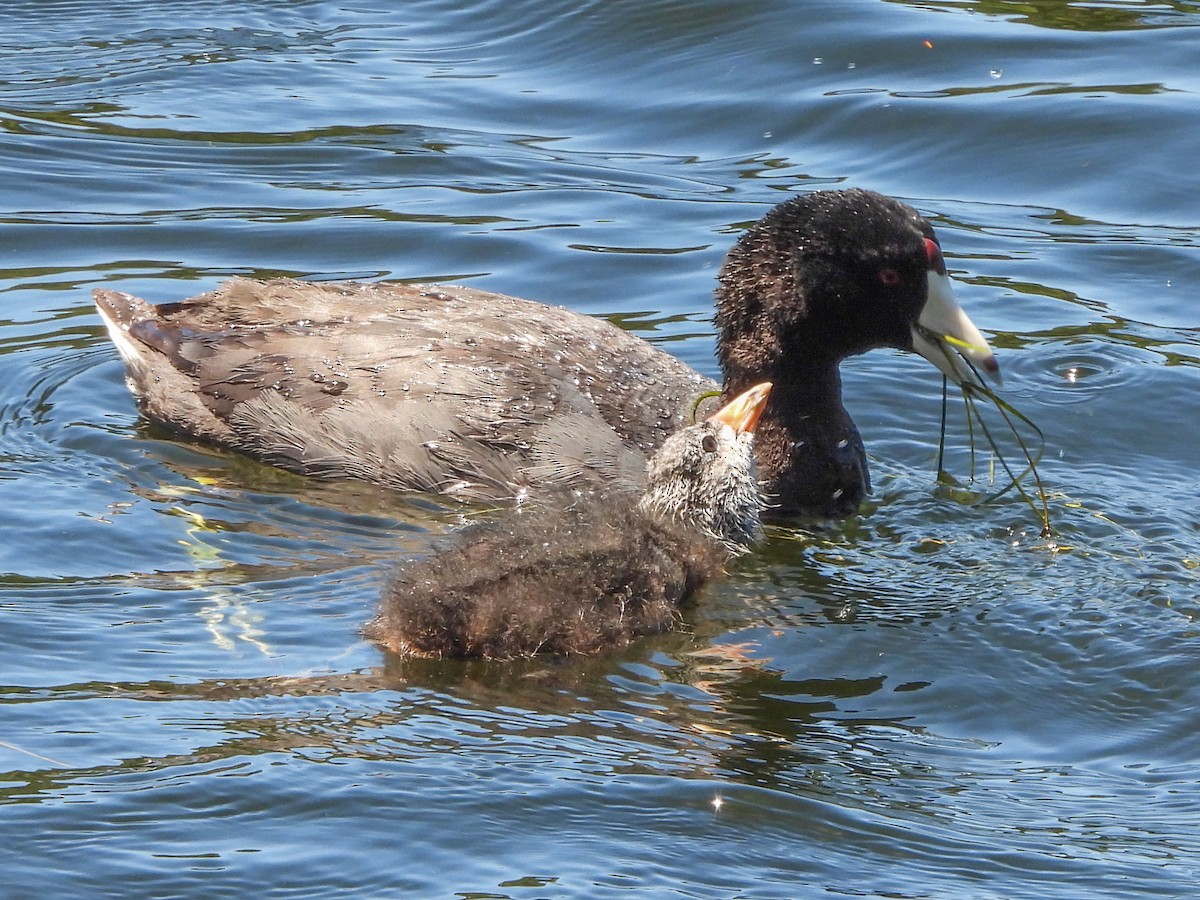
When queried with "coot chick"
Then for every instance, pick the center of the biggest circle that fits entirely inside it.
(596, 571)
(481, 395)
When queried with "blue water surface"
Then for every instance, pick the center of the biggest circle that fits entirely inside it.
(928, 700)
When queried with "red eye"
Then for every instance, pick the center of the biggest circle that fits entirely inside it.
(889, 277)
(934, 253)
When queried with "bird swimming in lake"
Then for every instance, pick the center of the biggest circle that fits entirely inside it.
(595, 570)
(481, 396)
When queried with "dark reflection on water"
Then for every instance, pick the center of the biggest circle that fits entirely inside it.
(1082, 17)
(926, 700)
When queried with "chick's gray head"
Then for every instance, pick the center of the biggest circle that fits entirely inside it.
(704, 476)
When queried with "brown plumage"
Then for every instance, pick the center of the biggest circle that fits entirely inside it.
(480, 395)
(576, 579)
(578, 573)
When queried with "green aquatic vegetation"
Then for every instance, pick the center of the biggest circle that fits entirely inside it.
(1014, 419)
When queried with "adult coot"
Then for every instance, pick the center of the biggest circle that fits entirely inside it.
(594, 571)
(475, 394)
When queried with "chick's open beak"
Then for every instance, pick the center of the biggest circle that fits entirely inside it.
(946, 337)
(743, 411)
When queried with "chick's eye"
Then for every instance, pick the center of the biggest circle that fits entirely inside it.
(889, 277)
(709, 444)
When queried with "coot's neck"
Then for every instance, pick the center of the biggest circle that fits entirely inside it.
(808, 450)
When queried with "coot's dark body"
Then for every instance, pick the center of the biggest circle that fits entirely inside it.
(476, 395)
(449, 390)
